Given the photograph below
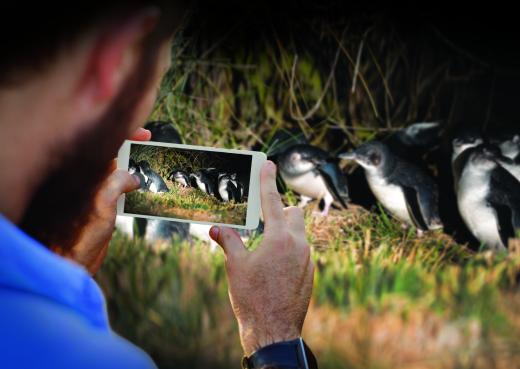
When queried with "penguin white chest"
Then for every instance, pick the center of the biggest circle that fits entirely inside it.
(480, 218)
(201, 185)
(222, 190)
(308, 184)
(390, 196)
(154, 188)
(181, 181)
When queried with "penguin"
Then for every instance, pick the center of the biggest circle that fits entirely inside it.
(313, 174)
(164, 230)
(465, 141)
(405, 190)
(238, 184)
(154, 182)
(489, 200)
(462, 146)
(227, 190)
(180, 177)
(134, 169)
(206, 182)
(163, 132)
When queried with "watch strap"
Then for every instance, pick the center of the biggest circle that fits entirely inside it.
(294, 354)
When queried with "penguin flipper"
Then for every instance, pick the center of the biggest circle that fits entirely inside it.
(505, 201)
(335, 181)
(505, 220)
(414, 208)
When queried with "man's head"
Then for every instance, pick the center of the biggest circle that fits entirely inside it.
(71, 90)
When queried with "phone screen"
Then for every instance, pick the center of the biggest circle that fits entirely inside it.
(207, 186)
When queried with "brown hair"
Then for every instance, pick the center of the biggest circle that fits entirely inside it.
(61, 204)
(30, 45)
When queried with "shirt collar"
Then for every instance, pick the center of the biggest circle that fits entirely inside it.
(26, 265)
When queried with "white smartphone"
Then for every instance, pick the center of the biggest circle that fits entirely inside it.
(194, 184)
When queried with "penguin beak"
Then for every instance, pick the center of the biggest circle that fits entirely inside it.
(348, 155)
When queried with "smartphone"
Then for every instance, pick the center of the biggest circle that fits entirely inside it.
(194, 184)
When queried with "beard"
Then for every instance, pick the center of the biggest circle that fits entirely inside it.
(61, 204)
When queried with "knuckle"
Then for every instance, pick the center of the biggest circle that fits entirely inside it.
(273, 196)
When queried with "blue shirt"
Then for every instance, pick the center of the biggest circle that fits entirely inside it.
(52, 313)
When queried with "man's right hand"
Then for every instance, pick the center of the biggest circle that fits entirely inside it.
(269, 288)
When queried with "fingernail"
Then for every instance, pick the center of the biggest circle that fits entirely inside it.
(137, 180)
(271, 166)
(214, 232)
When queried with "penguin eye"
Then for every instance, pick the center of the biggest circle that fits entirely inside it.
(375, 158)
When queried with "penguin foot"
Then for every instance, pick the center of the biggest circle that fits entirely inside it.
(304, 200)
(420, 233)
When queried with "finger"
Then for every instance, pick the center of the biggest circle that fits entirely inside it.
(229, 240)
(295, 220)
(272, 207)
(141, 134)
(119, 182)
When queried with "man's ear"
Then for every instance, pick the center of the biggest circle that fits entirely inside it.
(114, 55)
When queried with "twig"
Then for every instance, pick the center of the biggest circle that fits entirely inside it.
(358, 60)
(363, 81)
(317, 105)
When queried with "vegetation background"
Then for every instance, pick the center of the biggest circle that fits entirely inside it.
(383, 298)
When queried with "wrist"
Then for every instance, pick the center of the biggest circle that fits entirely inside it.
(254, 338)
(293, 354)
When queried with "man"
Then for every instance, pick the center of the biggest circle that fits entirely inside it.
(71, 90)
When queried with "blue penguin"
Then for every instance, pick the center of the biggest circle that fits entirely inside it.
(154, 182)
(313, 174)
(405, 190)
(133, 168)
(206, 181)
(164, 230)
(238, 184)
(227, 190)
(462, 146)
(489, 199)
(180, 177)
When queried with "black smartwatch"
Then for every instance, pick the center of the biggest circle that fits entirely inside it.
(293, 354)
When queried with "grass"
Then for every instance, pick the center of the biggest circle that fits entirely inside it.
(186, 203)
(383, 297)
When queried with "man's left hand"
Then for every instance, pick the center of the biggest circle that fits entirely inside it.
(92, 246)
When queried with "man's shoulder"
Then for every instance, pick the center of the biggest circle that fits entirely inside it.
(36, 332)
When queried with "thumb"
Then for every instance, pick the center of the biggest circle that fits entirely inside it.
(119, 182)
(229, 240)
